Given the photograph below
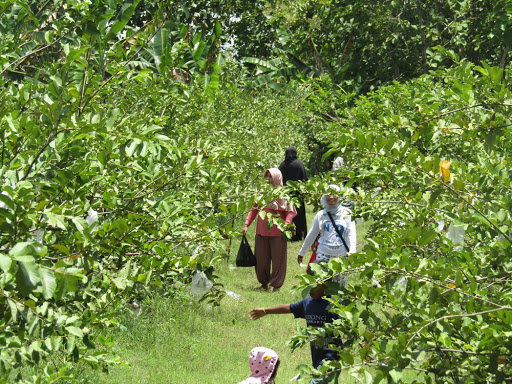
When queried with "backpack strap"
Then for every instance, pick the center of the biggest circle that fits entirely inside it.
(337, 231)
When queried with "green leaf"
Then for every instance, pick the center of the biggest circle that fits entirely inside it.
(347, 356)
(62, 248)
(396, 375)
(80, 224)
(5, 263)
(48, 282)
(75, 331)
(10, 217)
(14, 309)
(126, 14)
(27, 276)
(120, 283)
(501, 215)
(48, 99)
(426, 237)
(56, 220)
(22, 249)
(7, 201)
(48, 37)
(130, 149)
(198, 50)
(160, 43)
(261, 63)
(71, 283)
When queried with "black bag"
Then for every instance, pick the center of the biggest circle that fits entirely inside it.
(245, 257)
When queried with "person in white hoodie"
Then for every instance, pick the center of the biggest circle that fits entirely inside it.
(331, 242)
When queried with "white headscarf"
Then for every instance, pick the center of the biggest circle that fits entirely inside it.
(337, 209)
(338, 164)
(323, 200)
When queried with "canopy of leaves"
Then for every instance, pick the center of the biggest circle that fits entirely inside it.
(431, 290)
(372, 43)
(131, 139)
(118, 174)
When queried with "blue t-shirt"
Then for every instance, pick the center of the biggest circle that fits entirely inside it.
(316, 313)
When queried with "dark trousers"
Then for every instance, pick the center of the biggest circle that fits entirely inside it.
(271, 260)
(301, 228)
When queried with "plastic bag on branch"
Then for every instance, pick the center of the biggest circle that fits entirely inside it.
(200, 284)
(456, 234)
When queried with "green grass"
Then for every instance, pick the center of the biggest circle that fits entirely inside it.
(182, 341)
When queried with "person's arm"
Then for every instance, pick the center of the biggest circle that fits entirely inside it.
(310, 238)
(288, 220)
(250, 218)
(257, 313)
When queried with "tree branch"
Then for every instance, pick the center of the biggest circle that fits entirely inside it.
(455, 316)
(48, 142)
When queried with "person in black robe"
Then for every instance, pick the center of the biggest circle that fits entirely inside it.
(293, 169)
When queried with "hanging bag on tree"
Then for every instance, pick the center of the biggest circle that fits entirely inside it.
(245, 257)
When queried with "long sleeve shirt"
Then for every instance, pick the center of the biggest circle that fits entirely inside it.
(261, 226)
(329, 242)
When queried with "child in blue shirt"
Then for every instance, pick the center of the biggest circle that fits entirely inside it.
(316, 310)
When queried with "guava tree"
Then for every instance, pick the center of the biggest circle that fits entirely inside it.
(372, 43)
(428, 298)
(115, 177)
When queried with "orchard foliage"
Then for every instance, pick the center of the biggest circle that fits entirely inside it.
(115, 176)
(429, 298)
(131, 141)
(243, 22)
(368, 44)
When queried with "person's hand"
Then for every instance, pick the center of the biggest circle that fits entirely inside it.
(244, 230)
(289, 231)
(256, 313)
(299, 259)
(291, 227)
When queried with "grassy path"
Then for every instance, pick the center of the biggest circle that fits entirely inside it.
(181, 341)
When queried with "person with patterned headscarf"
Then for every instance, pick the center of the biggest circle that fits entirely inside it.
(270, 246)
(264, 363)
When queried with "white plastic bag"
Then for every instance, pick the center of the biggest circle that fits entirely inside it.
(456, 235)
(92, 219)
(401, 283)
(234, 295)
(200, 284)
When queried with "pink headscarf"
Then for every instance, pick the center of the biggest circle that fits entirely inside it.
(263, 362)
(276, 179)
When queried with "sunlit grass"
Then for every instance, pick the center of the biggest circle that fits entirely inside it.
(182, 341)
